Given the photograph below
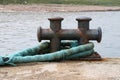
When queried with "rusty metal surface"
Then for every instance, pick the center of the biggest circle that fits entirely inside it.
(55, 23)
(83, 23)
(94, 57)
(55, 34)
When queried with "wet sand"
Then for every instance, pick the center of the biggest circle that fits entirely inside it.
(56, 8)
(107, 69)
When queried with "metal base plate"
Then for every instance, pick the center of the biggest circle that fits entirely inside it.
(94, 57)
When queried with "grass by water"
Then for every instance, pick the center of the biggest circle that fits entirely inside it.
(74, 2)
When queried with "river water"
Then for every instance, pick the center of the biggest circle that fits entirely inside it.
(18, 29)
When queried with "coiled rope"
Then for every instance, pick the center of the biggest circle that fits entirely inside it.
(34, 54)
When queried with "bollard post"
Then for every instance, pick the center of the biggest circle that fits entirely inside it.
(55, 25)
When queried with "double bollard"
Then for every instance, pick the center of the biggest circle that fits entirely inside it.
(55, 34)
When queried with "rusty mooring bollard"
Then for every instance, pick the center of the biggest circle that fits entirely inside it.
(55, 34)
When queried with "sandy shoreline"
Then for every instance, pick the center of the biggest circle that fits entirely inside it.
(56, 8)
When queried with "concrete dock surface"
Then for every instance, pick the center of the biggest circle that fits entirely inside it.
(107, 69)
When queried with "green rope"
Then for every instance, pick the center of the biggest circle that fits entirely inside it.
(1, 61)
(33, 54)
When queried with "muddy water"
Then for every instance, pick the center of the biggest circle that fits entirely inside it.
(18, 29)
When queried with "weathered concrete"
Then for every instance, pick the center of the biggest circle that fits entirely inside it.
(107, 69)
